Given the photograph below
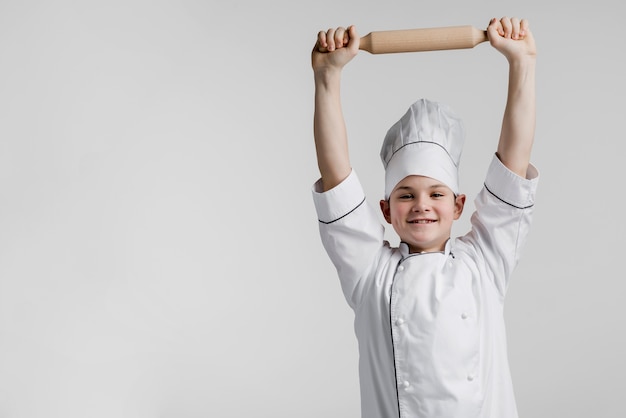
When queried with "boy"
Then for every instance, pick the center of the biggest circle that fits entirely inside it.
(428, 314)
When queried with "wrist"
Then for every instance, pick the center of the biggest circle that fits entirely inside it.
(522, 68)
(327, 76)
(523, 61)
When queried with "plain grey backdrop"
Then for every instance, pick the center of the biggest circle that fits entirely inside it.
(159, 251)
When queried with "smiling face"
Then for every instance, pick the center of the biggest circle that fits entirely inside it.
(421, 211)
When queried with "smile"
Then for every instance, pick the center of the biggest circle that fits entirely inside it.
(422, 221)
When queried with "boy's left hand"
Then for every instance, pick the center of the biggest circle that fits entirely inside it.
(512, 37)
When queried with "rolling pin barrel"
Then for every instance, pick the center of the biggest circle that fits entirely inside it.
(426, 39)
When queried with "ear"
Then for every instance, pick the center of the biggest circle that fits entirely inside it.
(384, 207)
(459, 204)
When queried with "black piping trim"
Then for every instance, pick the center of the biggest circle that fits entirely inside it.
(393, 348)
(508, 203)
(343, 216)
(422, 142)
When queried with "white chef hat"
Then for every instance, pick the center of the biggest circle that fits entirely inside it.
(426, 141)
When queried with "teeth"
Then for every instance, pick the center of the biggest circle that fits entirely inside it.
(422, 221)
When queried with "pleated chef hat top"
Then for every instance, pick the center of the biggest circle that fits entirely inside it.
(426, 141)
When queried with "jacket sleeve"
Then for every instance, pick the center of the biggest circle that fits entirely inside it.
(351, 233)
(501, 222)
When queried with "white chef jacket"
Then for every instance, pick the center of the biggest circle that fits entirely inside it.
(430, 327)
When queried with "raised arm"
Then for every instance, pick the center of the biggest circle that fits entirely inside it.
(513, 38)
(331, 142)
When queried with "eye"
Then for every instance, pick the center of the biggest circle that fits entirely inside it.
(437, 195)
(405, 196)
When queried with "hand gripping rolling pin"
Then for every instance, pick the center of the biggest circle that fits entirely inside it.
(426, 39)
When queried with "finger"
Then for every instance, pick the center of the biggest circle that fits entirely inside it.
(340, 37)
(506, 27)
(493, 29)
(321, 39)
(351, 34)
(497, 26)
(330, 39)
(353, 39)
(493, 24)
(515, 28)
(524, 27)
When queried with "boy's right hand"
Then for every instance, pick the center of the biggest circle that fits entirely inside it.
(512, 37)
(335, 48)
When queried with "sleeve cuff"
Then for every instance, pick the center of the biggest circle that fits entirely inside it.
(337, 202)
(511, 188)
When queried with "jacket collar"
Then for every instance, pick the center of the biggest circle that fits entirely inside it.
(404, 249)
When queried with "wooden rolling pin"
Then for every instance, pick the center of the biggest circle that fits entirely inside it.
(426, 39)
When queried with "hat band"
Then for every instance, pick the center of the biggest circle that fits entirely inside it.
(421, 159)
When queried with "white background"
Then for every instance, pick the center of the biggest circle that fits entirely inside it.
(159, 252)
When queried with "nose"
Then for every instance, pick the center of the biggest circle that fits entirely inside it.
(421, 205)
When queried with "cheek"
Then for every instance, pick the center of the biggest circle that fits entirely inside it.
(396, 213)
(445, 210)
(451, 213)
(399, 209)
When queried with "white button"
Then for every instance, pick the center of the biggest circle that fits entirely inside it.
(406, 384)
(400, 268)
(471, 378)
(464, 315)
(399, 321)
